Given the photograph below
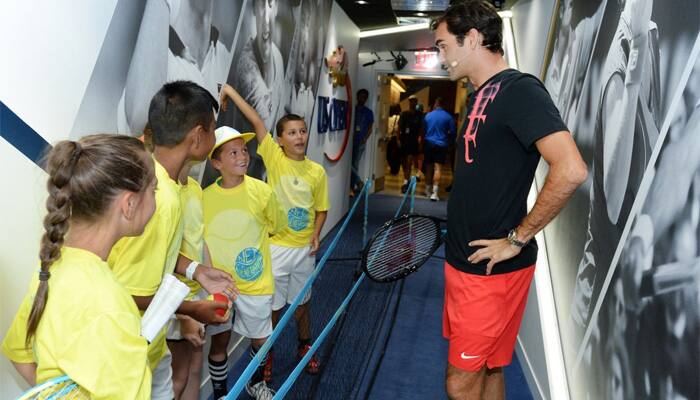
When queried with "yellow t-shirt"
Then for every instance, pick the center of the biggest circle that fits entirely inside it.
(301, 188)
(193, 229)
(90, 330)
(140, 262)
(237, 225)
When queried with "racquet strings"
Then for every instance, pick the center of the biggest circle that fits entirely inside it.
(401, 247)
(56, 390)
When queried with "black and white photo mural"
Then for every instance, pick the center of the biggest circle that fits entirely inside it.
(148, 44)
(615, 68)
(277, 61)
(643, 343)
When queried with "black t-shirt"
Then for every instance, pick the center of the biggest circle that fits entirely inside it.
(410, 124)
(505, 117)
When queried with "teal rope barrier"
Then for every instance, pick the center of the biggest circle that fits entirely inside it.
(322, 336)
(255, 362)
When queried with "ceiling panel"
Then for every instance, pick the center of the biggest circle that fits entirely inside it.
(375, 14)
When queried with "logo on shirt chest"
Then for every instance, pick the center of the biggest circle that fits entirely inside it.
(298, 218)
(477, 116)
(249, 264)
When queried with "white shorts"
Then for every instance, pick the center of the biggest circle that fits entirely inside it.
(162, 379)
(292, 267)
(253, 316)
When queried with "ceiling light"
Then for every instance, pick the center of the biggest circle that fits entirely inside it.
(421, 14)
(396, 29)
(361, 1)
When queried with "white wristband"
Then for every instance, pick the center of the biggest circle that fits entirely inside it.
(189, 272)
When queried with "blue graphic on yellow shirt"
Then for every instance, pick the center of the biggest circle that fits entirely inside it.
(249, 264)
(298, 218)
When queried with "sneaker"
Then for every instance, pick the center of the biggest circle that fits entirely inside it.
(267, 371)
(434, 197)
(427, 192)
(260, 391)
(312, 367)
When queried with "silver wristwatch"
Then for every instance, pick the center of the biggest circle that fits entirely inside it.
(513, 239)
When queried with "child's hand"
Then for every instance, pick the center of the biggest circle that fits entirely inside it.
(226, 93)
(314, 245)
(192, 330)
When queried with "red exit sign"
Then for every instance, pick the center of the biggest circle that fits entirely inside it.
(426, 59)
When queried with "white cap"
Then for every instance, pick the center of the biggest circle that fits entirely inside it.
(225, 134)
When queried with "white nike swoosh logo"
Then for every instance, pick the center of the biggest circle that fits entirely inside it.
(466, 357)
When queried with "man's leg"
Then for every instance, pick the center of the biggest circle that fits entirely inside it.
(428, 177)
(436, 182)
(429, 166)
(437, 175)
(407, 160)
(357, 151)
(494, 386)
(464, 385)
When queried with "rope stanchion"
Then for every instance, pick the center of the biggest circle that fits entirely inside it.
(319, 340)
(255, 362)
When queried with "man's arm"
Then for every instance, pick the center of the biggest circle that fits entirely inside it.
(369, 132)
(246, 109)
(677, 166)
(620, 111)
(149, 63)
(567, 171)
(318, 226)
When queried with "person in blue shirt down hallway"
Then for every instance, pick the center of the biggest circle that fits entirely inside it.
(440, 130)
(364, 119)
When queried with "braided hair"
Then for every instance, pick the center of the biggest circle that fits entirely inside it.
(84, 177)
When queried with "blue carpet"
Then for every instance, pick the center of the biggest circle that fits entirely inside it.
(355, 361)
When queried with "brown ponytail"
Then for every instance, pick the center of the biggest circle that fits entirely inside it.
(84, 177)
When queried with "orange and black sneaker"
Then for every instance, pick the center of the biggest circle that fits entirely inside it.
(267, 370)
(313, 366)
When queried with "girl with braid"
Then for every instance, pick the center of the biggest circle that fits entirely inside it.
(77, 319)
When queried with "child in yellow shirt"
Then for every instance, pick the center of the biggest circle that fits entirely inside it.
(240, 213)
(301, 186)
(101, 188)
(182, 121)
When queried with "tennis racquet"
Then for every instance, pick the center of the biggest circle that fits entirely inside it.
(61, 387)
(401, 246)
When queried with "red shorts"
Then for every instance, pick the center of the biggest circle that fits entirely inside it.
(482, 316)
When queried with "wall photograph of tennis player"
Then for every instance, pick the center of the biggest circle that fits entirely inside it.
(643, 343)
(276, 63)
(614, 96)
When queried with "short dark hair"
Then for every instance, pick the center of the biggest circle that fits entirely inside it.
(217, 153)
(178, 107)
(279, 127)
(473, 14)
(437, 102)
(363, 90)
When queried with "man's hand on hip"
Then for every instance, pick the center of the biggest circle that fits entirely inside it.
(493, 250)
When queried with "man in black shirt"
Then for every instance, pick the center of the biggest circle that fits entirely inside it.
(511, 122)
(410, 129)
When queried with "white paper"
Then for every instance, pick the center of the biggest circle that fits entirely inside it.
(168, 298)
